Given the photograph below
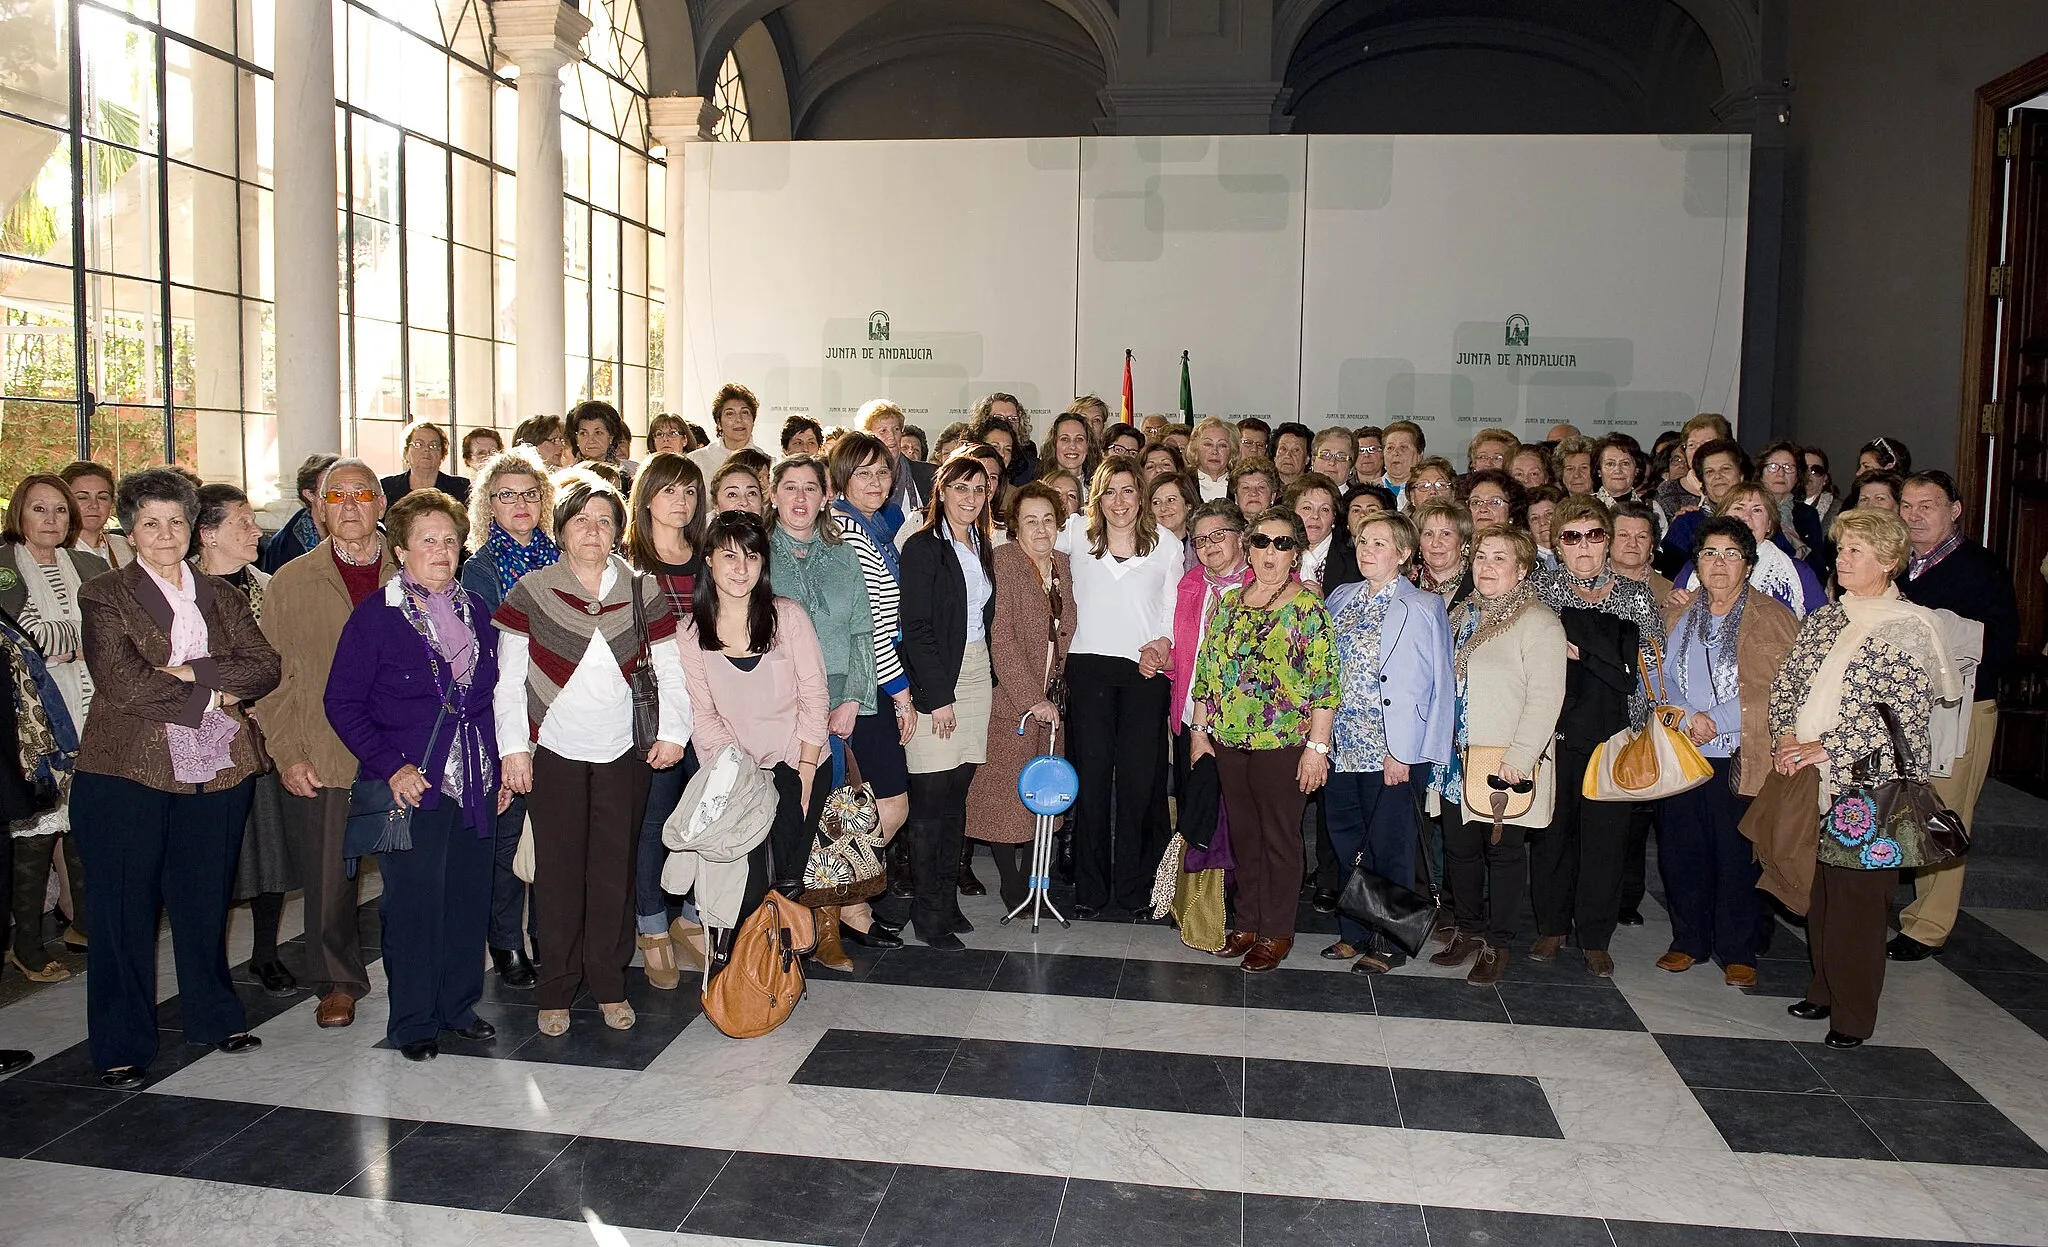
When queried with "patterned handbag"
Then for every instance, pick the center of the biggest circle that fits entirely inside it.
(1889, 824)
(846, 854)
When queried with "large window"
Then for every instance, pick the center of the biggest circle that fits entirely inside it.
(731, 98)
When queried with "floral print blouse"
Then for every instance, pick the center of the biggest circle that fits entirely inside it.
(1359, 734)
(1880, 674)
(1260, 674)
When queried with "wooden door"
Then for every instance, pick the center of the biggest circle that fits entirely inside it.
(2019, 483)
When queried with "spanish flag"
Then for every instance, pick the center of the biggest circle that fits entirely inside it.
(1129, 407)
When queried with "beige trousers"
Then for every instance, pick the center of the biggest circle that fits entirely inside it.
(1938, 890)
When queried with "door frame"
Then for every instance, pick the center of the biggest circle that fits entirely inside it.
(1979, 308)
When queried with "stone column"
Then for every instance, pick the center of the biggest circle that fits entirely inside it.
(305, 242)
(676, 121)
(540, 37)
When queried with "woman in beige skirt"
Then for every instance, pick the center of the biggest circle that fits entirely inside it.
(948, 613)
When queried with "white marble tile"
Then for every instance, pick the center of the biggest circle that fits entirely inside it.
(1010, 1136)
(1639, 1112)
(1821, 1195)
(1557, 1052)
(495, 1229)
(1318, 1160)
(702, 1052)
(1160, 1149)
(849, 1122)
(686, 1110)
(1027, 1018)
(477, 1091)
(1992, 1205)
(1576, 1178)
(1480, 1047)
(1290, 1035)
(1162, 1027)
(889, 1007)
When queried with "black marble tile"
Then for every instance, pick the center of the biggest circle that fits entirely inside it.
(153, 1134)
(296, 1149)
(453, 1166)
(1940, 1133)
(516, 1024)
(1056, 974)
(73, 1066)
(38, 1112)
(877, 1061)
(1780, 980)
(590, 1042)
(1169, 1082)
(1185, 983)
(1567, 969)
(1888, 1073)
(1782, 942)
(2035, 1020)
(1449, 1000)
(1123, 1214)
(1740, 1064)
(1790, 1125)
(1854, 1240)
(1358, 1095)
(1002, 1070)
(649, 1186)
(970, 969)
(930, 1207)
(1287, 1221)
(2009, 989)
(1435, 1099)
(1582, 1006)
(1974, 944)
(1482, 1227)
(792, 1199)
(1310, 991)
(1670, 1234)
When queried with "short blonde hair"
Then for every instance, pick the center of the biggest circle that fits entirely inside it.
(1521, 542)
(1883, 530)
(518, 461)
(876, 408)
(1451, 509)
(1407, 537)
(1579, 507)
(1507, 441)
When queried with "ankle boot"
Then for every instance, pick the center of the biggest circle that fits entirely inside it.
(969, 885)
(829, 952)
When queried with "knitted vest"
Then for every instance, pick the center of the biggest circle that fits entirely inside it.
(552, 610)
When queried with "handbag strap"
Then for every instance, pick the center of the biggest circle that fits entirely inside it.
(1898, 743)
(1656, 695)
(640, 619)
(1421, 804)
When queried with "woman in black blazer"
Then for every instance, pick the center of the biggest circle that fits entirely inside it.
(426, 448)
(948, 607)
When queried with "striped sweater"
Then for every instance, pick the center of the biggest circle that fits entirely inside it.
(884, 602)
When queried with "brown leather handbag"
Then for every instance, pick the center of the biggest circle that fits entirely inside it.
(763, 976)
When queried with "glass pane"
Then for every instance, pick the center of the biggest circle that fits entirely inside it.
(373, 168)
(121, 204)
(259, 451)
(657, 266)
(473, 406)
(259, 347)
(604, 172)
(632, 330)
(632, 259)
(657, 329)
(467, 37)
(504, 214)
(258, 37)
(505, 126)
(504, 293)
(261, 95)
(40, 358)
(472, 194)
(210, 22)
(206, 349)
(36, 221)
(632, 390)
(472, 292)
(426, 188)
(430, 368)
(507, 377)
(199, 108)
(202, 220)
(379, 384)
(576, 381)
(257, 256)
(657, 193)
(375, 261)
(575, 159)
(125, 438)
(209, 442)
(576, 240)
(425, 89)
(124, 339)
(37, 436)
(120, 79)
(604, 281)
(576, 309)
(426, 282)
(35, 76)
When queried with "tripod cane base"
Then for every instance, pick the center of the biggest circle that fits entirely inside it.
(1038, 898)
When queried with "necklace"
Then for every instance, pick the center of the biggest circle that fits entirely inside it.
(1271, 598)
(341, 552)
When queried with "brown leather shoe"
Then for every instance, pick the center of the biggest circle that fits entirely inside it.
(1490, 965)
(1458, 951)
(1267, 954)
(1739, 976)
(1237, 943)
(337, 1008)
(829, 952)
(1445, 928)
(1599, 964)
(1545, 948)
(1676, 962)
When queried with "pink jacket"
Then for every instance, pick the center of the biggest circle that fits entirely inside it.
(1187, 634)
(769, 711)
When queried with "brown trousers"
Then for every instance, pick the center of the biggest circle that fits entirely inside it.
(1265, 803)
(314, 828)
(586, 826)
(1845, 936)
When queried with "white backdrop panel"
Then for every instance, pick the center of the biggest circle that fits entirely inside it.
(1623, 252)
(966, 249)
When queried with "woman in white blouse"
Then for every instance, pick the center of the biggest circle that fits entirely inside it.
(1126, 577)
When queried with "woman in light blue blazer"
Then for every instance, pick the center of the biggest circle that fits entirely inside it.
(1395, 719)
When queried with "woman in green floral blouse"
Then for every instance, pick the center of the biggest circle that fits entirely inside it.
(1265, 693)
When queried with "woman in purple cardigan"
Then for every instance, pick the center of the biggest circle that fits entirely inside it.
(410, 695)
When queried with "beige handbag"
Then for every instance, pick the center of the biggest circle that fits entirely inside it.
(522, 857)
(1659, 761)
(1481, 761)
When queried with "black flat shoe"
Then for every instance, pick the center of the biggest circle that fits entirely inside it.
(876, 936)
(1837, 1039)
(1808, 1011)
(235, 1045)
(123, 1077)
(478, 1030)
(961, 926)
(968, 884)
(422, 1050)
(275, 978)
(1905, 948)
(12, 1059)
(1083, 913)
(1325, 901)
(1630, 917)
(947, 943)
(513, 967)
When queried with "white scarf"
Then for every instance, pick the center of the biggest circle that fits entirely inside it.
(1894, 622)
(55, 622)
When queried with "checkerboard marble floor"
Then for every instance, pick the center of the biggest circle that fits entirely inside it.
(1098, 1085)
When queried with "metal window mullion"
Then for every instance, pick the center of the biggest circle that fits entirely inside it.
(348, 184)
(163, 258)
(448, 247)
(404, 295)
(79, 347)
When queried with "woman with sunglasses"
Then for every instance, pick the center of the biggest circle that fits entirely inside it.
(1265, 698)
(1610, 624)
(1818, 486)
(1510, 651)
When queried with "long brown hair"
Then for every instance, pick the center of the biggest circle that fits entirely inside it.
(1098, 526)
(656, 474)
(962, 464)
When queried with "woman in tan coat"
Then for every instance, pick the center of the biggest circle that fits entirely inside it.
(1034, 622)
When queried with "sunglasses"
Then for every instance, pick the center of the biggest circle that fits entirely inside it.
(1498, 784)
(1262, 541)
(335, 497)
(1591, 536)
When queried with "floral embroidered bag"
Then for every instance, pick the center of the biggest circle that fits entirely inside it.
(1889, 824)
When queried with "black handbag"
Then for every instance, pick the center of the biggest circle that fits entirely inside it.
(377, 821)
(1889, 824)
(1397, 912)
(646, 696)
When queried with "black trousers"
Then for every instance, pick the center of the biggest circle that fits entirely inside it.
(1116, 739)
(1710, 873)
(1371, 818)
(1635, 855)
(149, 851)
(1575, 867)
(1487, 879)
(781, 857)
(938, 831)
(436, 914)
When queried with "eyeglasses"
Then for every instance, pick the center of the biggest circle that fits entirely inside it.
(1286, 545)
(1498, 784)
(1591, 536)
(1721, 552)
(1781, 469)
(335, 497)
(1332, 456)
(507, 497)
(1217, 537)
(438, 447)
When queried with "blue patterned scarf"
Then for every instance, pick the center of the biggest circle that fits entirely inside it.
(881, 530)
(514, 560)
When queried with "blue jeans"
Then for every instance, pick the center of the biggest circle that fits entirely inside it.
(650, 904)
(1377, 820)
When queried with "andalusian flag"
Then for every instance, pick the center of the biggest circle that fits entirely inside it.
(1187, 394)
(1127, 417)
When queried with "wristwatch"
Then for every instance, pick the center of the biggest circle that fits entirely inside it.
(1316, 746)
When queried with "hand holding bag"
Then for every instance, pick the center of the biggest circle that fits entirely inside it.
(1481, 764)
(1889, 824)
(646, 696)
(1396, 911)
(1659, 761)
(379, 822)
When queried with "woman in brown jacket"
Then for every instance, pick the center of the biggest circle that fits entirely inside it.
(166, 767)
(1028, 649)
(1721, 651)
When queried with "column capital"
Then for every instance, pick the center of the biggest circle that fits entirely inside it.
(1196, 108)
(539, 36)
(674, 120)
